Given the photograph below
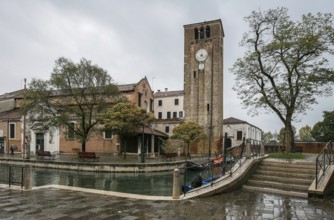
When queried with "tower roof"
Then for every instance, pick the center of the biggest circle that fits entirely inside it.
(218, 21)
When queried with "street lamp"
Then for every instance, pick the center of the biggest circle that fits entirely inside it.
(142, 144)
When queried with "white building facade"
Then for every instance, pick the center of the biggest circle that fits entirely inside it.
(237, 130)
(168, 110)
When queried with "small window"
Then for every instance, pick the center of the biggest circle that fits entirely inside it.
(194, 74)
(160, 103)
(139, 99)
(181, 114)
(196, 33)
(151, 105)
(208, 107)
(108, 134)
(70, 131)
(168, 114)
(176, 101)
(12, 128)
(167, 129)
(160, 115)
(174, 114)
(239, 135)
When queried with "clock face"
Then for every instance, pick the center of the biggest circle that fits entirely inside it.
(201, 55)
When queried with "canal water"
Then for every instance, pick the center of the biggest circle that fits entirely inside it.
(157, 183)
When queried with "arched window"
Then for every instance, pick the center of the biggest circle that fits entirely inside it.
(201, 33)
(196, 33)
(207, 32)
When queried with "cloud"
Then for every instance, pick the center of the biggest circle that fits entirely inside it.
(132, 39)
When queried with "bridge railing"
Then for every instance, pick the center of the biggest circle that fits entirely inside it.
(323, 160)
(12, 175)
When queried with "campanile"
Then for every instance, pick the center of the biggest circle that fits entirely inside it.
(203, 80)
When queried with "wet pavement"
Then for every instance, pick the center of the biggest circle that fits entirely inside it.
(51, 203)
(240, 204)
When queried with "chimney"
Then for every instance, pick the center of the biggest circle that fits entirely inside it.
(158, 90)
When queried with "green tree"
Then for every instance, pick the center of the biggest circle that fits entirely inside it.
(267, 137)
(73, 97)
(125, 119)
(285, 67)
(305, 133)
(324, 130)
(188, 132)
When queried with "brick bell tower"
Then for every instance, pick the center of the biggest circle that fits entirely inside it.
(203, 81)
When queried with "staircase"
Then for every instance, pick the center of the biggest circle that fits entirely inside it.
(282, 177)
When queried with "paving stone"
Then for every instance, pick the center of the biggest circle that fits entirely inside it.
(63, 204)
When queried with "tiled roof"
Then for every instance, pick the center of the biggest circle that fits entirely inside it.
(168, 121)
(127, 87)
(11, 95)
(148, 130)
(232, 120)
(169, 93)
(10, 115)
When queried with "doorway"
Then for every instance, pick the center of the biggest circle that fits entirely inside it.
(40, 141)
(2, 145)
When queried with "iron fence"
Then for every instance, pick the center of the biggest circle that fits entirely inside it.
(323, 160)
(12, 175)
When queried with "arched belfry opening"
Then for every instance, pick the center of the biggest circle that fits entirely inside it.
(207, 32)
(196, 33)
(201, 33)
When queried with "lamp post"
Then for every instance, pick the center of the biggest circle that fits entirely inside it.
(225, 146)
(142, 145)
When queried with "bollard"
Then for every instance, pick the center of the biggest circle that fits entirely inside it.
(248, 149)
(176, 182)
(262, 150)
(27, 178)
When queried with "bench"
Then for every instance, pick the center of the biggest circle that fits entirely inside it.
(44, 154)
(88, 155)
(166, 156)
(298, 149)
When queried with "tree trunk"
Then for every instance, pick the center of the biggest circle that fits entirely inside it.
(83, 146)
(188, 153)
(289, 136)
(125, 143)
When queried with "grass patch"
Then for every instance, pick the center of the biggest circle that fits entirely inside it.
(288, 156)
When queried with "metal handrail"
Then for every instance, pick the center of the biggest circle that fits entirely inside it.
(323, 160)
(13, 175)
(235, 156)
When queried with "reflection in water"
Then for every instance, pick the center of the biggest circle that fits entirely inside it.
(159, 183)
(138, 183)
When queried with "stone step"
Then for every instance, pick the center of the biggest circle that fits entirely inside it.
(288, 177)
(275, 191)
(287, 174)
(286, 169)
(280, 179)
(276, 185)
(283, 163)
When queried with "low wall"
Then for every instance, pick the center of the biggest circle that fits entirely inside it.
(308, 147)
(96, 166)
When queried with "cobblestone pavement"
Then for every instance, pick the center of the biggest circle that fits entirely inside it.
(240, 204)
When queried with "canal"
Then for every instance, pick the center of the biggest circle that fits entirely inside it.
(153, 183)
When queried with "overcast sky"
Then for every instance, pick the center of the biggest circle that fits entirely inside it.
(132, 39)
